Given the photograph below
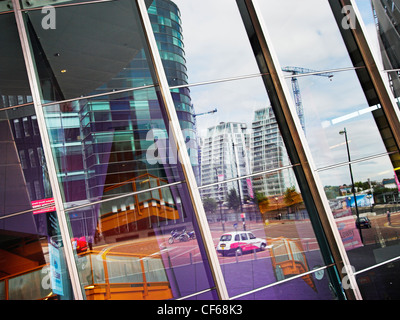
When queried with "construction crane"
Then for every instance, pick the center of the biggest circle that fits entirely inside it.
(203, 113)
(296, 88)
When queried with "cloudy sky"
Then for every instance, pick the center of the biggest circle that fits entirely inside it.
(217, 47)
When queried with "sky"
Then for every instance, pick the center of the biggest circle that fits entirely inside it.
(217, 47)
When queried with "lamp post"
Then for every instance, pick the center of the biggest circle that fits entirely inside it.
(220, 200)
(352, 183)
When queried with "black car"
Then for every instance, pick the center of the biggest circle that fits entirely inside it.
(363, 223)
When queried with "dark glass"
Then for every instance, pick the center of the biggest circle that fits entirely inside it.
(138, 247)
(92, 49)
(262, 238)
(298, 289)
(32, 262)
(23, 167)
(111, 145)
(381, 283)
(14, 84)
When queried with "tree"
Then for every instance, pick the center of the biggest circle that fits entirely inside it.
(292, 198)
(233, 200)
(209, 204)
(263, 202)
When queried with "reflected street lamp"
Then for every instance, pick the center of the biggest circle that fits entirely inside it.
(352, 183)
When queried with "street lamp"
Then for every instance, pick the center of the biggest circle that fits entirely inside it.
(220, 200)
(352, 182)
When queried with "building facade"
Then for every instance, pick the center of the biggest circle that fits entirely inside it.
(99, 177)
(268, 151)
(225, 156)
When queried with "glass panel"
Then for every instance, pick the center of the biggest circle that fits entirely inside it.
(32, 262)
(313, 35)
(24, 177)
(381, 283)
(226, 144)
(102, 49)
(224, 55)
(384, 19)
(331, 104)
(263, 237)
(298, 289)
(140, 247)
(14, 85)
(377, 194)
(166, 22)
(111, 145)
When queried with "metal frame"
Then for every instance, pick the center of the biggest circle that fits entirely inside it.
(296, 144)
(290, 127)
(357, 34)
(182, 153)
(36, 96)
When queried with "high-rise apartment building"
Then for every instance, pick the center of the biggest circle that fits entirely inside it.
(268, 152)
(225, 155)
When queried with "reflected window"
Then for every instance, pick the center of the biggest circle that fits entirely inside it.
(140, 247)
(32, 261)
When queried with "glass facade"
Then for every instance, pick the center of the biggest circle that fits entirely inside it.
(146, 158)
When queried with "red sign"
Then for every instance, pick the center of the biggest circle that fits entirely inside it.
(43, 203)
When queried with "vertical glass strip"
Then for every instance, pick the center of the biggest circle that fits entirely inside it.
(46, 149)
(182, 153)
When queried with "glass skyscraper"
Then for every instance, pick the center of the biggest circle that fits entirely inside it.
(107, 194)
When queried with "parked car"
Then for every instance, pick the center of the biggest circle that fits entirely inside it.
(239, 242)
(363, 223)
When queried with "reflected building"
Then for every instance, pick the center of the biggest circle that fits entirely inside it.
(96, 202)
(268, 152)
(225, 155)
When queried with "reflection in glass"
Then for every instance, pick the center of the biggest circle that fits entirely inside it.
(236, 131)
(101, 49)
(104, 146)
(305, 38)
(227, 53)
(298, 289)
(329, 106)
(377, 200)
(14, 85)
(140, 247)
(387, 19)
(265, 238)
(23, 169)
(382, 282)
(32, 263)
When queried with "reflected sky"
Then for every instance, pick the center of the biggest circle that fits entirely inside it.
(228, 54)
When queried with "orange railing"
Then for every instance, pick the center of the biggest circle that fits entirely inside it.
(104, 276)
